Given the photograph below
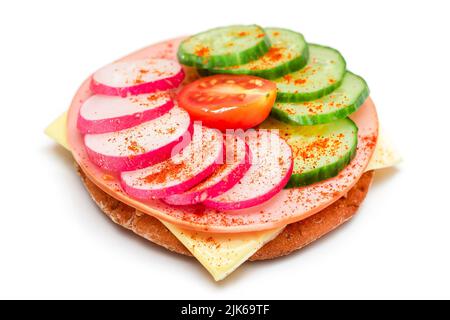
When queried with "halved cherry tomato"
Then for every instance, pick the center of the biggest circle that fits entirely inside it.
(229, 101)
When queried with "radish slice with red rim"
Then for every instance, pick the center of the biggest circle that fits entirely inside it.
(101, 114)
(237, 163)
(137, 77)
(272, 166)
(201, 157)
(146, 144)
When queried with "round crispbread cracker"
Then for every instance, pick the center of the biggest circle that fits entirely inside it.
(295, 236)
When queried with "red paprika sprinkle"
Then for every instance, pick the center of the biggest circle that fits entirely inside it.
(108, 177)
(288, 78)
(371, 141)
(274, 54)
(169, 172)
(202, 52)
(134, 147)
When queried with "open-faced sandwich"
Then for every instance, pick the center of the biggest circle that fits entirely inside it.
(239, 143)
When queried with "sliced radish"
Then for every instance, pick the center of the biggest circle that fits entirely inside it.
(101, 114)
(137, 77)
(237, 163)
(271, 169)
(192, 165)
(138, 147)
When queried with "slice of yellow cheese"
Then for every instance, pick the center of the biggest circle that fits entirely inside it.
(57, 130)
(384, 156)
(221, 254)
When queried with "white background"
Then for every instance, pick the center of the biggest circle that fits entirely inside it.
(55, 243)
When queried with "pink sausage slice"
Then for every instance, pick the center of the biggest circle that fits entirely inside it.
(101, 114)
(137, 77)
(290, 205)
(237, 163)
(196, 162)
(272, 166)
(146, 144)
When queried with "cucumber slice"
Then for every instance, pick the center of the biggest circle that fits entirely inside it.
(320, 152)
(289, 53)
(225, 46)
(337, 105)
(323, 73)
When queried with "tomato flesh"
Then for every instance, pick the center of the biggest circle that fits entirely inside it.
(229, 101)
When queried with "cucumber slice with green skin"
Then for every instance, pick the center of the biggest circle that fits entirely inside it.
(337, 105)
(324, 72)
(320, 152)
(224, 46)
(289, 53)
